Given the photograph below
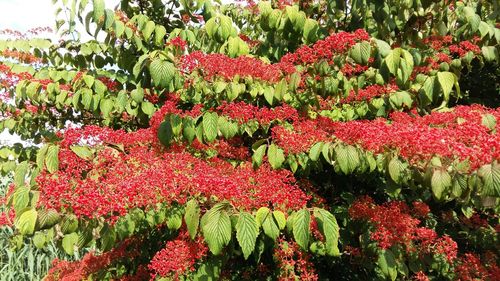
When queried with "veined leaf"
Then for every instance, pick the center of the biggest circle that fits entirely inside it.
(216, 228)
(490, 174)
(315, 151)
(301, 228)
(148, 29)
(276, 156)
(192, 217)
(210, 129)
(162, 72)
(258, 154)
(174, 217)
(328, 226)
(98, 10)
(246, 233)
(446, 81)
(26, 222)
(68, 243)
(83, 152)
(440, 182)
(52, 158)
(387, 265)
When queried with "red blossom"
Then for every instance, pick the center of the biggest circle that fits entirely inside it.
(178, 257)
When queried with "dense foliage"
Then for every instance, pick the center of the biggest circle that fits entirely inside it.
(282, 140)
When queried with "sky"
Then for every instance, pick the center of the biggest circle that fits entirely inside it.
(25, 14)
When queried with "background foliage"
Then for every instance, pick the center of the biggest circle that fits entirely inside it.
(289, 140)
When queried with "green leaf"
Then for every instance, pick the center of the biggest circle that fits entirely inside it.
(301, 228)
(261, 215)
(148, 29)
(26, 222)
(40, 156)
(137, 94)
(210, 130)
(310, 31)
(328, 226)
(106, 107)
(165, 133)
(148, 108)
(39, 240)
(225, 27)
(174, 217)
(89, 80)
(192, 217)
(21, 198)
(52, 158)
(392, 60)
(162, 72)
(446, 81)
(269, 226)
(176, 122)
(246, 233)
(490, 53)
(83, 152)
(387, 265)
(160, 33)
(347, 158)
(489, 121)
(490, 174)
(440, 182)
(188, 131)
(98, 10)
(315, 151)
(48, 218)
(280, 219)
(68, 243)
(69, 224)
(84, 237)
(360, 52)
(108, 238)
(258, 154)
(383, 47)
(20, 173)
(396, 169)
(276, 156)
(211, 27)
(216, 228)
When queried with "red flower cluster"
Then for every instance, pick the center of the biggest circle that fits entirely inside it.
(471, 268)
(80, 270)
(464, 47)
(337, 43)
(110, 84)
(394, 225)
(299, 139)
(294, 264)
(370, 92)
(455, 134)
(438, 42)
(392, 221)
(9, 79)
(142, 175)
(178, 257)
(20, 56)
(219, 65)
(178, 42)
(243, 112)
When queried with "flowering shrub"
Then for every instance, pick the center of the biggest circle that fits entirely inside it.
(269, 141)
